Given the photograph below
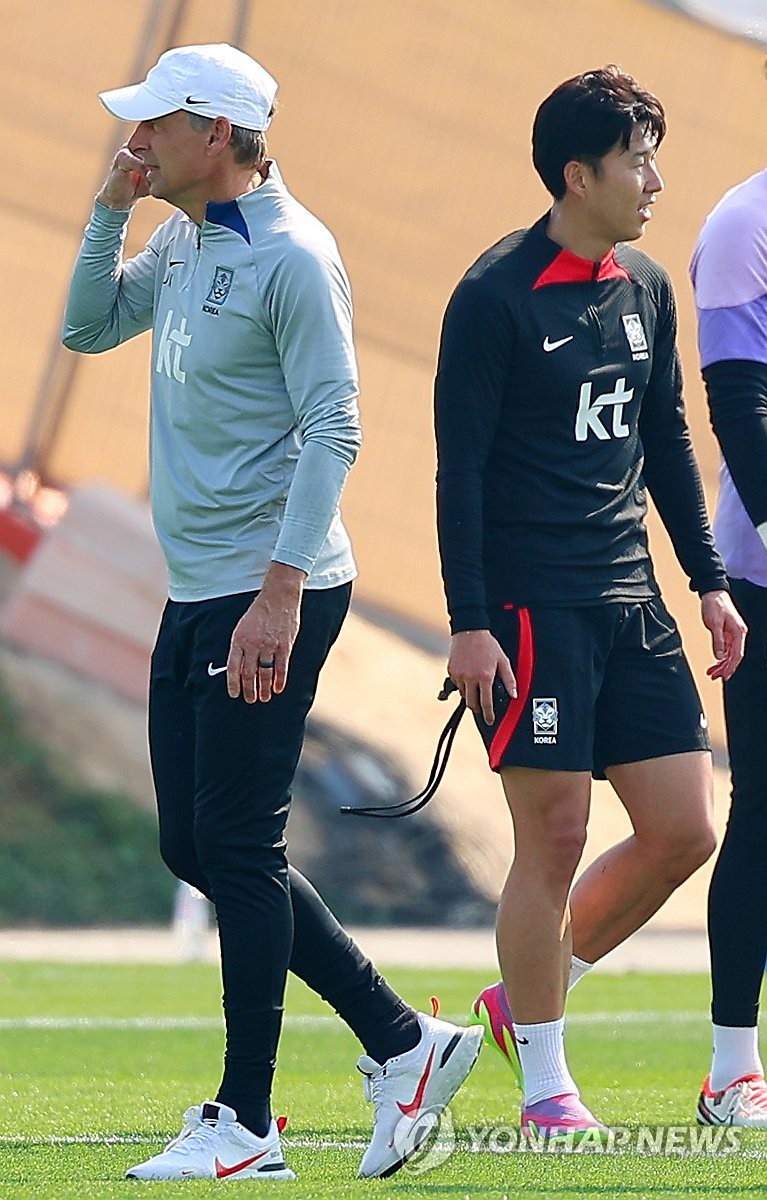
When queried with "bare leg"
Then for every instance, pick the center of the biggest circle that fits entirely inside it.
(550, 811)
(670, 803)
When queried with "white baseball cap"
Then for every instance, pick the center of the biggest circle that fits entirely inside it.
(213, 81)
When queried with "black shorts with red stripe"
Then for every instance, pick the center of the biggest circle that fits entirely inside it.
(598, 685)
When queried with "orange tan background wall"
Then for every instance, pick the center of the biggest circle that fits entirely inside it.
(406, 127)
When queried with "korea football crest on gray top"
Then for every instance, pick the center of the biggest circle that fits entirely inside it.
(545, 720)
(219, 290)
(635, 336)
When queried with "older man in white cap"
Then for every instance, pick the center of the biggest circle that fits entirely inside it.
(254, 427)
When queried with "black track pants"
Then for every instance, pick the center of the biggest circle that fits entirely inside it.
(737, 914)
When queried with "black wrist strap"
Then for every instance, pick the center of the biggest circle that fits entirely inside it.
(406, 808)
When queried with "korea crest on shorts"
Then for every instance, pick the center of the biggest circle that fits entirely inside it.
(635, 335)
(221, 286)
(545, 719)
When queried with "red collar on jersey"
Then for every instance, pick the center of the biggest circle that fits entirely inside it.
(569, 268)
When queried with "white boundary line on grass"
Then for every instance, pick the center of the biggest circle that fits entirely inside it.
(141, 1139)
(318, 1021)
(298, 1143)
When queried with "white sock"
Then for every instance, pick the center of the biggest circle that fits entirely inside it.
(736, 1053)
(542, 1055)
(578, 968)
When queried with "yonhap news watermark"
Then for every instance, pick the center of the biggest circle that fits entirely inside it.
(437, 1138)
(636, 1139)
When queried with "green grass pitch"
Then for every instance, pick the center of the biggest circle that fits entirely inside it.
(97, 1064)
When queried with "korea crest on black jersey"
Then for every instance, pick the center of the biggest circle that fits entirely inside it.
(635, 336)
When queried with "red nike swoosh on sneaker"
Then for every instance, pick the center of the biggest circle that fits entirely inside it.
(222, 1172)
(410, 1109)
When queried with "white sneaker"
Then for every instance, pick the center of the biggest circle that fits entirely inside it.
(744, 1103)
(410, 1091)
(213, 1145)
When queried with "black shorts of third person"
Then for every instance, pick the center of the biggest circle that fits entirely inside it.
(598, 686)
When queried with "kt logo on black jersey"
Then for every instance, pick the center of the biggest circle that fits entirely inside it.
(589, 417)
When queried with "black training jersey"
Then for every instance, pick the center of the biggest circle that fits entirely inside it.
(558, 402)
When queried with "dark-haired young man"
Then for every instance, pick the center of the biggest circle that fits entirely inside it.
(558, 405)
(254, 427)
(729, 272)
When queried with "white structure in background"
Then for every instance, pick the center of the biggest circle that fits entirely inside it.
(745, 17)
(191, 923)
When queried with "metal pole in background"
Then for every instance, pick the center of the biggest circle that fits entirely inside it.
(62, 366)
(241, 24)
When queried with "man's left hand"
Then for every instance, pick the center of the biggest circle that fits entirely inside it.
(263, 638)
(728, 633)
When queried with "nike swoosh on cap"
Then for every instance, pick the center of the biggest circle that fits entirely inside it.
(412, 1108)
(191, 100)
(215, 670)
(549, 346)
(222, 1172)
